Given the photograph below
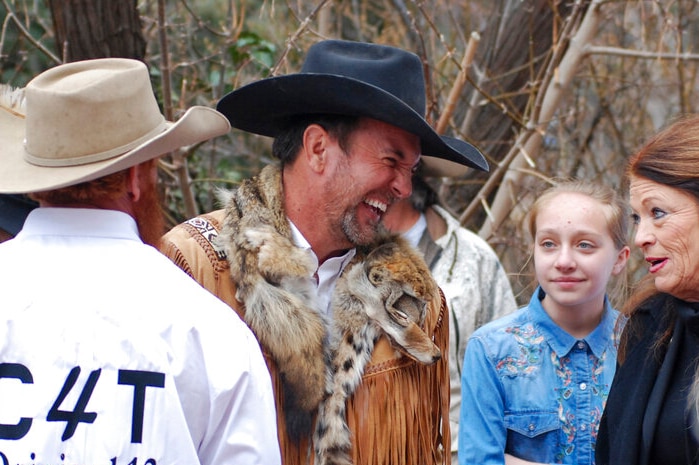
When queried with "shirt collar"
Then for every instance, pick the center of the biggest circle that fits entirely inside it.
(414, 234)
(562, 342)
(338, 262)
(301, 242)
(326, 274)
(79, 222)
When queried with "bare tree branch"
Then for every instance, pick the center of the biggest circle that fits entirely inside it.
(623, 52)
(459, 84)
(11, 14)
(559, 78)
(294, 37)
(179, 160)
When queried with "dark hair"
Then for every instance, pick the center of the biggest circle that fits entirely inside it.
(287, 142)
(423, 195)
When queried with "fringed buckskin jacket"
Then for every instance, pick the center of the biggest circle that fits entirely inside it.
(397, 408)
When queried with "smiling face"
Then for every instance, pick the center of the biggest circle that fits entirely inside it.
(376, 171)
(667, 232)
(575, 254)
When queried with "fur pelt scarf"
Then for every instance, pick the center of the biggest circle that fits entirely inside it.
(383, 290)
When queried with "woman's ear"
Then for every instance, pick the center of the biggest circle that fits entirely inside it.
(621, 259)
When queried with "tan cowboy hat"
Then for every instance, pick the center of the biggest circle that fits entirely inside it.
(433, 167)
(439, 168)
(348, 78)
(87, 119)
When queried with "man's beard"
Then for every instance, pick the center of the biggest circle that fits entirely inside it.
(358, 235)
(149, 215)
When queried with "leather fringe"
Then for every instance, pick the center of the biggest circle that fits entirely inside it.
(382, 445)
(388, 393)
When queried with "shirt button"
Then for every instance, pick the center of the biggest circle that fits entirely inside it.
(532, 427)
(583, 386)
(583, 427)
(581, 345)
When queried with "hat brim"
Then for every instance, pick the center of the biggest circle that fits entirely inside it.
(18, 176)
(266, 106)
(439, 168)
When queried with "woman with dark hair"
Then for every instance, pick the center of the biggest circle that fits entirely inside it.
(650, 414)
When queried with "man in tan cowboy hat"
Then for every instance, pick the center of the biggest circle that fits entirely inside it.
(110, 354)
(287, 249)
(464, 265)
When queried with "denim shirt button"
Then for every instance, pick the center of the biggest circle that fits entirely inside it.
(581, 345)
(583, 427)
(532, 427)
(583, 386)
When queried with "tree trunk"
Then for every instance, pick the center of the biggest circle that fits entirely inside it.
(97, 29)
(513, 52)
(552, 95)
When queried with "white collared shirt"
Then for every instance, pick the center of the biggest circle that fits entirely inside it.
(110, 354)
(327, 273)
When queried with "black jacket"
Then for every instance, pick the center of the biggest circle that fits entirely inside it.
(628, 424)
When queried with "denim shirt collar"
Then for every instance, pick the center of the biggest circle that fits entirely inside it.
(562, 342)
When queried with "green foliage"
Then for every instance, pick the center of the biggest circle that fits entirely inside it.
(251, 46)
(20, 59)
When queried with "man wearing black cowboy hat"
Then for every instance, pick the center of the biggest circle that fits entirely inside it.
(348, 130)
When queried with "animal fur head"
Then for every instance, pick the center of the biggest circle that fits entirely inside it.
(404, 284)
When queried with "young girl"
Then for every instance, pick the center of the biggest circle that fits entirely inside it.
(535, 382)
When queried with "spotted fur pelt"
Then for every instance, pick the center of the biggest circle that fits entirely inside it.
(274, 280)
(384, 290)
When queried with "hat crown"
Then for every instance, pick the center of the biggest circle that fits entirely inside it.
(66, 121)
(391, 69)
(88, 119)
(342, 77)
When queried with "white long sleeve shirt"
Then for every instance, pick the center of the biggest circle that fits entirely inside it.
(111, 355)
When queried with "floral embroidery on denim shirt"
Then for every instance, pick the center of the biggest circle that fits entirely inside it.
(599, 390)
(565, 415)
(530, 346)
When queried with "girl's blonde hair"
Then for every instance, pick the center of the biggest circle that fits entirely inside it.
(616, 211)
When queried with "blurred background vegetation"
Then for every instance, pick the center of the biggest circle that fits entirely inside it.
(546, 88)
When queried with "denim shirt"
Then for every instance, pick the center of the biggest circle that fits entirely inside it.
(532, 390)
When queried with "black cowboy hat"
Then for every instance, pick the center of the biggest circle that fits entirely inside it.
(348, 78)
